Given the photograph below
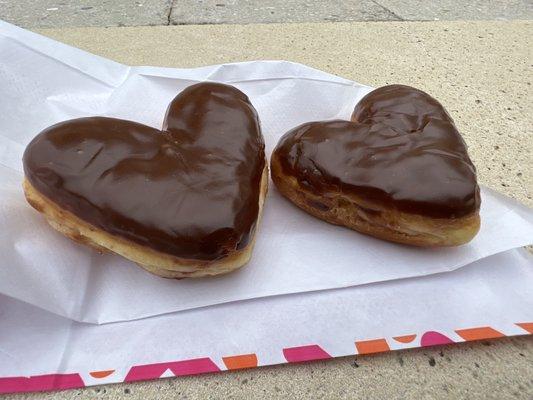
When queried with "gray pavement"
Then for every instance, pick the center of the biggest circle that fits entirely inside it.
(75, 13)
(79, 13)
(257, 11)
(450, 10)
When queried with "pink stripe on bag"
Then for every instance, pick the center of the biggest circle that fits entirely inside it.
(305, 353)
(40, 383)
(433, 338)
(178, 368)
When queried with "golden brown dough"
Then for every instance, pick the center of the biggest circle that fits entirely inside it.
(376, 221)
(153, 261)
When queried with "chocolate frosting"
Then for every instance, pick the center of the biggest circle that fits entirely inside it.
(191, 190)
(401, 150)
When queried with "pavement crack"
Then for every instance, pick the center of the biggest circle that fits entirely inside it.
(388, 10)
(170, 8)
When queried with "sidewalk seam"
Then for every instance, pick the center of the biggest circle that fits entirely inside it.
(388, 10)
(170, 8)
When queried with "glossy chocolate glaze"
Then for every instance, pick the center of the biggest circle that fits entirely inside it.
(191, 190)
(401, 150)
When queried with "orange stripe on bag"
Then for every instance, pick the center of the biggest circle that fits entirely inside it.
(372, 346)
(484, 332)
(240, 361)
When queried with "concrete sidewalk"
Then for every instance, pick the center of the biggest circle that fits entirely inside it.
(480, 71)
(77, 13)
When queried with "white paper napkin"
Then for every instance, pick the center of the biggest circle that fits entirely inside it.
(494, 292)
(43, 82)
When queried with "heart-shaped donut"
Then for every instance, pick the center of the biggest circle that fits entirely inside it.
(181, 202)
(399, 170)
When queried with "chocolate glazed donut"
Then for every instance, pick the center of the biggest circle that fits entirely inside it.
(399, 170)
(181, 202)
